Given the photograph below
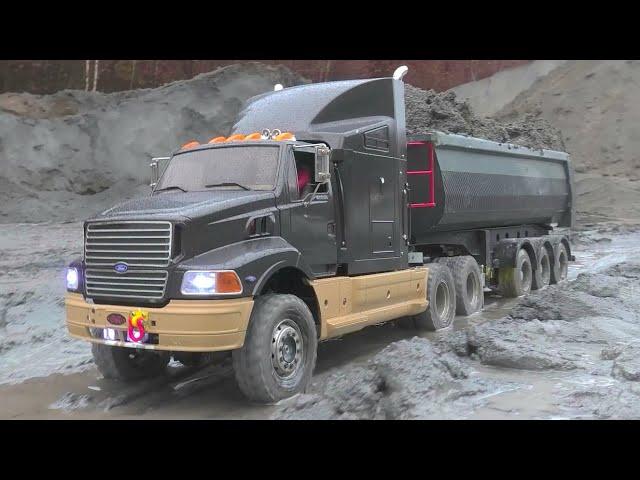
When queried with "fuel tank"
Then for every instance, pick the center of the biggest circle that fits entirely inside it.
(460, 183)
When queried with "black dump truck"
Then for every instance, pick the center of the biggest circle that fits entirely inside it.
(315, 218)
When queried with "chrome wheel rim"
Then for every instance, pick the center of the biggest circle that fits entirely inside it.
(442, 300)
(525, 276)
(287, 349)
(473, 289)
(545, 270)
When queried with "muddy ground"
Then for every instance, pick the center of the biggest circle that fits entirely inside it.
(568, 351)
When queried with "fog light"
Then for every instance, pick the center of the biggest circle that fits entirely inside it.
(72, 278)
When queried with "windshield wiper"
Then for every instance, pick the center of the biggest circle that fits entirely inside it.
(171, 188)
(227, 184)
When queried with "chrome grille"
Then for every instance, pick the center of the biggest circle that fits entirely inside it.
(149, 284)
(138, 244)
(145, 247)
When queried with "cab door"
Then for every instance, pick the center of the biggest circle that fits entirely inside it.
(312, 227)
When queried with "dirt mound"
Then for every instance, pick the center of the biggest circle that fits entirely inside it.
(408, 379)
(428, 110)
(594, 104)
(67, 155)
(551, 328)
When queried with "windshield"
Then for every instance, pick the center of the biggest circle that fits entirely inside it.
(248, 167)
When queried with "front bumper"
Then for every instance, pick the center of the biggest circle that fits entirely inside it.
(180, 326)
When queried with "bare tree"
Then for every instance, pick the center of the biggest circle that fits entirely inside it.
(327, 71)
(95, 74)
(87, 66)
(133, 74)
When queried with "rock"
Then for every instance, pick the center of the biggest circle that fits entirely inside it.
(517, 344)
(627, 364)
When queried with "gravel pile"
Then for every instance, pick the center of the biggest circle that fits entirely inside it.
(428, 110)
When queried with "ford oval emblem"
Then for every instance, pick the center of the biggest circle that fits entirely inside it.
(121, 267)
(116, 319)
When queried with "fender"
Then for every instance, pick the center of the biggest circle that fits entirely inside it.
(254, 260)
(555, 241)
(506, 251)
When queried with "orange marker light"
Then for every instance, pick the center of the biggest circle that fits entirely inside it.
(217, 140)
(235, 138)
(228, 282)
(191, 144)
(285, 136)
(254, 136)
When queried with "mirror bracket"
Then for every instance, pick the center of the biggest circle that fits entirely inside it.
(155, 171)
(323, 172)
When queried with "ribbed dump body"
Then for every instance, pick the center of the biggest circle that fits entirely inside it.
(460, 183)
(127, 259)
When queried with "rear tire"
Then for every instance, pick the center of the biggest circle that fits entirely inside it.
(279, 352)
(441, 293)
(542, 274)
(467, 279)
(561, 265)
(514, 282)
(127, 364)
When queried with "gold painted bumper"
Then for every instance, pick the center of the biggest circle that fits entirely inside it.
(181, 325)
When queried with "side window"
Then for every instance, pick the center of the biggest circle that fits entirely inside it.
(305, 175)
(292, 182)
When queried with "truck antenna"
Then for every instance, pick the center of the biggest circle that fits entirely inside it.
(400, 72)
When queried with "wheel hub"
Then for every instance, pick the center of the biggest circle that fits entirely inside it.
(286, 348)
(442, 300)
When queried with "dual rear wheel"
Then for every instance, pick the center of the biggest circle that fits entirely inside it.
(454, 286)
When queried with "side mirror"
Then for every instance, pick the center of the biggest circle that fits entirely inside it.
(323, 171)
(155, 170)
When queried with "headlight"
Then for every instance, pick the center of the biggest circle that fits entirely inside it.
(72, 278)
(208, 282)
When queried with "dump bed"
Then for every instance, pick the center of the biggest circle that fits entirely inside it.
(459, 182)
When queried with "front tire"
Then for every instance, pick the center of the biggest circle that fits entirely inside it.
(279, 352)
(128, 364)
